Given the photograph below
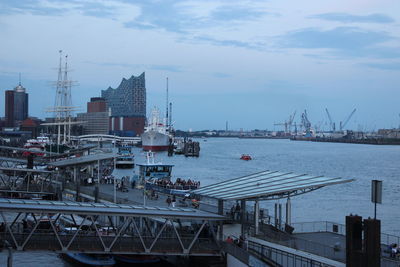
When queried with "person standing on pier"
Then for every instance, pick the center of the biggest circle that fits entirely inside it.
(237, 212)
(168, 201)
(173, 201)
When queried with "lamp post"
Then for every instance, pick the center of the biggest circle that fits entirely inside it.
(115, 184)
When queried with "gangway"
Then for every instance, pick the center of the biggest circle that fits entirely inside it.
(133, 232)
(22, 182)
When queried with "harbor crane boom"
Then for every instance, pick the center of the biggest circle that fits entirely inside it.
(288, 124)
(305, 122)
(331, 123)
(342, 125)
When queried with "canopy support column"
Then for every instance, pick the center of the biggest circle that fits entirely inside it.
(288, 212)
(256, 216)
(243, 216)
(96, 191)
(280, 216)
(221, 223)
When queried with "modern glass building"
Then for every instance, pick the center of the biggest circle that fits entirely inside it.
(128, 106)
(128, 99)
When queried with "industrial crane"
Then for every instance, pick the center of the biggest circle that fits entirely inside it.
(305, 122)
(342, 125)
(331, 123)
(288, 124)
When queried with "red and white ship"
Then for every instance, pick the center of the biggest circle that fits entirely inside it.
(156, 136)
(35, 147)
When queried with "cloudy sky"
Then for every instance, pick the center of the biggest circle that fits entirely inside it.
(251, 63)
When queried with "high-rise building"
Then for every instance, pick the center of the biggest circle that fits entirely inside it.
(96, 120)
(16, 105)
(9, 108)
(128, 106)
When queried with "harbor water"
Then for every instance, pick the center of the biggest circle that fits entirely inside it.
(220, 160)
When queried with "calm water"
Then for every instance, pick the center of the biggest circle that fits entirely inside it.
(219, 160)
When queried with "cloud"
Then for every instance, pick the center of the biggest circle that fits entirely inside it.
(348, 18)
(170, 68)
(236, 13)
(115, 10)
(232, 43)
(341, 41)
(221, 75)
(384, 66)
(181, 17)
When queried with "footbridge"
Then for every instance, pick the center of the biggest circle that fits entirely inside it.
(107, 228)
(106, 137)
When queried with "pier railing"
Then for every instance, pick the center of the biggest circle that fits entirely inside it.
(331, 227)
(291, 241)
(283, 258)
(273, 256)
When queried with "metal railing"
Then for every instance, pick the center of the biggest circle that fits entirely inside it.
(283, 258)
(273, 256)
(331, 227)
(287, 240)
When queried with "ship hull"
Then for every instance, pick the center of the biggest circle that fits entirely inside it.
(155, 141)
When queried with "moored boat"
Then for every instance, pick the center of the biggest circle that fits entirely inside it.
(100, 260)
(156, 136)
(157, 177)
(125, 160)
(34, 147)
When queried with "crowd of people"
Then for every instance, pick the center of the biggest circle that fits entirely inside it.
(236, 212)
(240, 242)
(179, 183)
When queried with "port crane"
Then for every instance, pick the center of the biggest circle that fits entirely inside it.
(342, 125)
(305, 122)
(288, 124)
(331, 123)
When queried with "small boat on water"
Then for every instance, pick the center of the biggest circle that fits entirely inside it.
(245, 157)
(100, 260)
(125, 160)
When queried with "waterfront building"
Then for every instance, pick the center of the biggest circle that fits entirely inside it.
(128, 106)
(16, 105)
(31, 125)
(96, 118)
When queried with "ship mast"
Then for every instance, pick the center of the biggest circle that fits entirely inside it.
(63, 104)
(166, 113)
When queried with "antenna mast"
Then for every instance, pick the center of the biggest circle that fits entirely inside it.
(170, 114)
(166, 114)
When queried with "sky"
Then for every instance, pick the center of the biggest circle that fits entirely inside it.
(249, 63)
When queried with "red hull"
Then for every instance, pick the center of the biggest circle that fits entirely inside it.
(155, 148)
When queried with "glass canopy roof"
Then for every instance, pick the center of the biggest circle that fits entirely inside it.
(267, 185)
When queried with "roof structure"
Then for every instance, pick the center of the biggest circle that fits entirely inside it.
(23, 170)
(83, 160)
(267, 185)
(22, 161)
(68, 207)
(14, 148)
